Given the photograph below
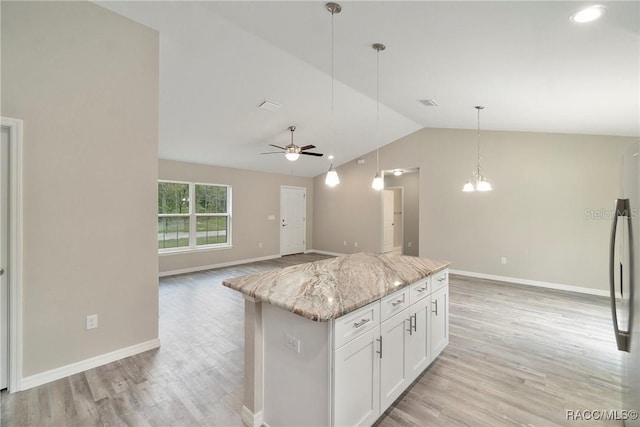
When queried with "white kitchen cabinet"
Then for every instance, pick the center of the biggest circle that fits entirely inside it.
(348, 371)
(394, 337)
(439, 327)
(418, 354)
(356, 381)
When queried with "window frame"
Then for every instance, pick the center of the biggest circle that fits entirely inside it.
(193, 219)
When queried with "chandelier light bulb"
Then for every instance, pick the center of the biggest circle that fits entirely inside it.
(483, 185)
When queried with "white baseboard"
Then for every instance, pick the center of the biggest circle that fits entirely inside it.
(83, 365)
(527, 282)
(250, 419)
(317, 251)
(219, 265)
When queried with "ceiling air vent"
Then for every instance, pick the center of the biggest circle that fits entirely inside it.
(429, 102)
(269, 106)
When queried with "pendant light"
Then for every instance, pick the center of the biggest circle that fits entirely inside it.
(332, 178)
(481, 183)
(378, 180)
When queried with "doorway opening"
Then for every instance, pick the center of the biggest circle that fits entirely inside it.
(400, 211)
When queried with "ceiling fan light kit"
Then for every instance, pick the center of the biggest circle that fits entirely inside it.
(292, 152)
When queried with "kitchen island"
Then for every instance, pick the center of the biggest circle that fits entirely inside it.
(335, 342)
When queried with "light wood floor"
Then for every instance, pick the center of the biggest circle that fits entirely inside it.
(517, 356)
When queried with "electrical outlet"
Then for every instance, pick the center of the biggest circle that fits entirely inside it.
(292, 343)
(344, 243)
(355, 244)
(260, 244)
(271, 217)
(409, 244)
(92, 321)
(503, 260)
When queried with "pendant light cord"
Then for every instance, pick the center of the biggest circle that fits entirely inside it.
(478, 138)
(378, 110)
(333, 137)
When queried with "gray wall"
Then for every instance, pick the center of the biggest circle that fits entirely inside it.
(255, 196)
(536, 216)
(85, 82)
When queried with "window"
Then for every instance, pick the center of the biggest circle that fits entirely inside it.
(192, 216)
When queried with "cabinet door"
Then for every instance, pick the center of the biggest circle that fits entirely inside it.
(419, 343)
(393, 373)
(356, 397)
(439, 321)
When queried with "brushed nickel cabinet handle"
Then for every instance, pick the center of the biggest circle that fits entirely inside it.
(436, 304)
(415, 322)
(396, 302)
(380, 341)
(360, 323)
(410, 330)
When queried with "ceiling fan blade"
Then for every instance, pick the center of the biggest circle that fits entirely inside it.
(312, 154)
(273, 152)
(307, 147)
(277, 146)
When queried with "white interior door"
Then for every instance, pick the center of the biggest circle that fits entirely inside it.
(387, 220)
(4, 317)
(293, 212)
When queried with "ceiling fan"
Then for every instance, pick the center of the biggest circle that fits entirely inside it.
(292, 151)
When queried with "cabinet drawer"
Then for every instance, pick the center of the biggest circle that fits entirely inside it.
(420, 289)
(355, 324)
(439, 280)
(394, 303)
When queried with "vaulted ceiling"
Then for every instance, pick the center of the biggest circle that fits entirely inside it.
(526, 62)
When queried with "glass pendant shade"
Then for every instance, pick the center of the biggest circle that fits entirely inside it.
(292, 156)
(468, 187)
(378, 182)
(332, 178)
(483, 185)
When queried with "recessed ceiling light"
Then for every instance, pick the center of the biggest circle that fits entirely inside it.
(397, 172)
(588, 14)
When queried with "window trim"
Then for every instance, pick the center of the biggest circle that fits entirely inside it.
(193, 217)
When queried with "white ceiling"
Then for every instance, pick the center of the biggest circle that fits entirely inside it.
(530, 67)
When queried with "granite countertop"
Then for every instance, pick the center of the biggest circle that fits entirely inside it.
(327, 289)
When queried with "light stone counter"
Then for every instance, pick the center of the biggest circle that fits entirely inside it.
(325, 290)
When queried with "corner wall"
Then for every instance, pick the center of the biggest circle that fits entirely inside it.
(255, 196)
(85, 82)
(542, 215)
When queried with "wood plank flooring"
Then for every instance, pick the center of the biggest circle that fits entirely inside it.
(517, 356)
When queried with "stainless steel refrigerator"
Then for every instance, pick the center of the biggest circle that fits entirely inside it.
(624, 262)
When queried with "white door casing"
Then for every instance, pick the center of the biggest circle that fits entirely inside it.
(387, 220)
(13, 270)
(293, 212)
(4, 294)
